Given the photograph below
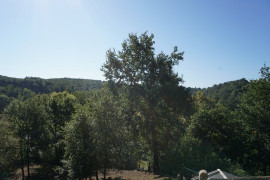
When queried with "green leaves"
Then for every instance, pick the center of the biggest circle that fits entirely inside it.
(265, 72)
(152, 86)
(8, 147)
(239, 131)
(80, 145)
(143, 113)
(254, 117)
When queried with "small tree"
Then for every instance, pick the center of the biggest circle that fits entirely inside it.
(14, 113)
(61, 106)
(9, 152)
(29, 124)
(108, 127)
(80, 145)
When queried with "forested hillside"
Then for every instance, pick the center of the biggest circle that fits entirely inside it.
(17, 88)
(142, 118)
(228, 93)
(13, 87)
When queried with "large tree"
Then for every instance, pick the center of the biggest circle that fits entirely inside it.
(150, 80)
(61, 107)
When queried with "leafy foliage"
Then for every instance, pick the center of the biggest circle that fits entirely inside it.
(142, 115)
(15, 87)
(80, 145)
(8, 152)
(151, 79)
(227, 94)
(254, 134)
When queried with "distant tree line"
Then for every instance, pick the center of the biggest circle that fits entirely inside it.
(228, 93)
(142, 113)
(15, 87)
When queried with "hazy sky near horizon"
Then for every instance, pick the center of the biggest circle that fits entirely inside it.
(223, 40)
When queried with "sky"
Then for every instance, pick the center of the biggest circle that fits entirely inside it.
(223, 40)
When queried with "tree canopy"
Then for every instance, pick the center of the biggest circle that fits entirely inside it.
(151, 79)
(141, 118)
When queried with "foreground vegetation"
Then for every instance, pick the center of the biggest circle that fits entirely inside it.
(142, 114)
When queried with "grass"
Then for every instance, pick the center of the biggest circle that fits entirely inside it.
(47, 172)
(132, 175)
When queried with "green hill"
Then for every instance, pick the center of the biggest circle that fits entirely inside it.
(227, 93)
(14, 87)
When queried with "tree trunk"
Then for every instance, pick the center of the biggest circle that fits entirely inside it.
(22, 172)
(104, 173)
(154, 139)
(156, 152)
(96, 175)
(105, 162)
(22, 162)
(96, 165)
(28, 155)
(105, 165)
(105, 153)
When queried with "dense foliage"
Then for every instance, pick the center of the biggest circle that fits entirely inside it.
(15, 87)
(143, 114)
(228, 93)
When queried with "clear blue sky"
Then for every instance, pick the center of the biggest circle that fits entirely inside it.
(223, 40)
